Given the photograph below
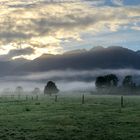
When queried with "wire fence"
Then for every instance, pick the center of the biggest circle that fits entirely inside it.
(121, 101)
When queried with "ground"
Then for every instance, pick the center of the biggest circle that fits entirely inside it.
(100, 118)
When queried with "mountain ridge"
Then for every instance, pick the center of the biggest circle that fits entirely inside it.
(96, 58)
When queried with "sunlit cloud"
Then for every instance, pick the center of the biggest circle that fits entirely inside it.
(47, 25)
(118, 2)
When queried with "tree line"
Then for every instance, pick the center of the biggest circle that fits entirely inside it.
(111, 80)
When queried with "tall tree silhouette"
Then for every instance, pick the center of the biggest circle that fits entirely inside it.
(100, 82)
(110, 80)
(128, 82)
(36, 91)
(19, 90)
(51, 88)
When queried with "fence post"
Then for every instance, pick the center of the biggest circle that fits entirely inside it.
(37, 97)
(26, 97)
(122, 102)
(19, 96)
(83, 99)
(12, 96)
(5, 98)
(56, 97)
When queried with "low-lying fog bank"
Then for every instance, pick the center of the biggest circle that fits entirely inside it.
(63, 86)
(68, 80)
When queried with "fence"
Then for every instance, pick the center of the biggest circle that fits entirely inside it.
(82, 99)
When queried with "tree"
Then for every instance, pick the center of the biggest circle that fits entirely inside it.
(128, 82)
(100, 82)
(51, 88)
(19, 90)
(36, 91)
(110, 80)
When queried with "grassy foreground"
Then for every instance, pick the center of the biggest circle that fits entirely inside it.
(100, 118)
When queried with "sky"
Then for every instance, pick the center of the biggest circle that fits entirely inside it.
(30, 28)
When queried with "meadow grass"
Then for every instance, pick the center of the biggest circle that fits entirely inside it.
(100, 118)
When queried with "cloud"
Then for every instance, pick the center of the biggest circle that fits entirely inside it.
(48, 25)
(118, 2)
(137, 28)
(17, 52)
(65, 80)
(76, 75)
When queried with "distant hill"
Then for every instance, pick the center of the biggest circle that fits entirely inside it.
(99, 57)
(76, 51)
(11, 67)
(105, 58)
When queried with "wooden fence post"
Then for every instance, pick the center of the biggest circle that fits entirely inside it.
(56, 97)
(26, 97)
(12, 96)
(122, 102)
(19, 96)
(37, 97)
(83, 99)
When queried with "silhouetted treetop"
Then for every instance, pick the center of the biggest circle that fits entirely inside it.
(36, 91)
(110, 80)
(51, 88)
(19, 90)
(128, 81)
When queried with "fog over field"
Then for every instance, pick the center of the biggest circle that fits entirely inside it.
(67, 80)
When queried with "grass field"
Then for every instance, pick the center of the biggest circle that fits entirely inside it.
(100, 118)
